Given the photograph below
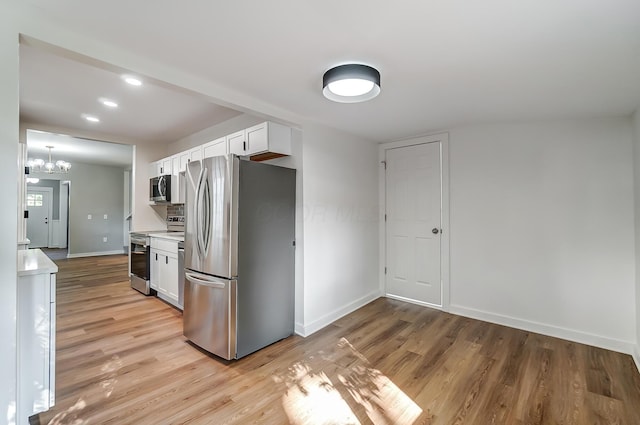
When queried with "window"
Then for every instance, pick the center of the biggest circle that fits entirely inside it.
(34, 199)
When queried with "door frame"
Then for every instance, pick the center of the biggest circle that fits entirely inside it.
(443, 139)
(49, 192)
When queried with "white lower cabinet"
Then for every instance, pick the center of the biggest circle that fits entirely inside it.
(36, 334)
(164, 269)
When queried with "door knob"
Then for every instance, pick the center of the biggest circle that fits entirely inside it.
(435, 231)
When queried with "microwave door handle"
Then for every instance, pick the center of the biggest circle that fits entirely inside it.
(161, 186)
(205, 282)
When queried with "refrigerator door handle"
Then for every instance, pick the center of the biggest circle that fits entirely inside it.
(211, 283)
(196, 188)
(201, 219)
(199, 215)
(206, 219)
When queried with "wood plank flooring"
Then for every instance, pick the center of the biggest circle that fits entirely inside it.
(122, 359)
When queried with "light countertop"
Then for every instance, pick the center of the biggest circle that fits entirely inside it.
(174, 236)
(34, 261)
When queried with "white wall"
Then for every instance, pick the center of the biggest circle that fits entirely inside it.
(8, 242)
(340, 186)
(541, 228)
(143, 215)
(96, 190)
(636, 169)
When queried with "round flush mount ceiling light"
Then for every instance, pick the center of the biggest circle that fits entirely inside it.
(351, 83)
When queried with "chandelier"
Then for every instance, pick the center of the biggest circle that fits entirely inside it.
(39, 165)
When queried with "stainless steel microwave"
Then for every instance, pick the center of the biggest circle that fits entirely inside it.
(160, 188)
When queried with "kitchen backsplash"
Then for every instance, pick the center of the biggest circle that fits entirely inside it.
(175, 210)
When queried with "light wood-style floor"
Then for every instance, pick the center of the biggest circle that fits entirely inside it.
(122, 359)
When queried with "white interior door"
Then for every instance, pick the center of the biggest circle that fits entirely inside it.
(414, 223)
(40, 207)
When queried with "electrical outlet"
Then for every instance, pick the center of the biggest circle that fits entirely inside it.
(89, 217)
(105, 217)
(104, 239)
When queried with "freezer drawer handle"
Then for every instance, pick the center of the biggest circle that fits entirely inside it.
(210, 283)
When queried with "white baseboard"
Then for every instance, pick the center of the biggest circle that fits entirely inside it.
(327, 319)
(636, 355)
(621, 346)
(412, 301)
(95, 254)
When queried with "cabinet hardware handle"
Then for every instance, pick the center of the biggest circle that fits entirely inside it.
(156, 256)
(244, 146)
(166, 260)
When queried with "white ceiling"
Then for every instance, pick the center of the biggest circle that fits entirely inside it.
(76, 149)
(443, 63)
(56, 91)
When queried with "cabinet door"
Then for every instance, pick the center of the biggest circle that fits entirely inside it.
(195, 154)
(162, 268)
(215, 148)
(155, 271)
(175, 164)
(184, 160)
(171, 277)
(166, 166)
(237, 143)
(257, 140)
(34, 346)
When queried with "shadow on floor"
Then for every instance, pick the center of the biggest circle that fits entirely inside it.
(56, 253)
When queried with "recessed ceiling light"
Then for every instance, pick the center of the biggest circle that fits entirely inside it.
(90, 118)
(351, 83)
(108, 102)
(132, 80)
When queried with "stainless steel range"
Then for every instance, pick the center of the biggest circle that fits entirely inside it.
(140, 254)
(139, 262)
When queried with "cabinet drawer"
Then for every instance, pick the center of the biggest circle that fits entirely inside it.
(165, 245)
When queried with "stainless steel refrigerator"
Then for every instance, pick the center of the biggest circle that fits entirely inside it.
(239, 255)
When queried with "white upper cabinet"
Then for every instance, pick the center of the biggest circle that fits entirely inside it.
(160, 167)
(263, 141)
(184, 160)
(215, 148)
(195, 154)
(175, 164)
(258, 138)
(165, 166)
(237, 142)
